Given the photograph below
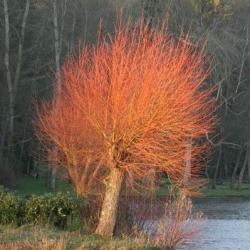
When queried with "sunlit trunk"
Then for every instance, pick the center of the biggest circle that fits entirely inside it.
(109, 207)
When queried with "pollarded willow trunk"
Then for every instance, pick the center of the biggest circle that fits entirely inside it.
(108, 215)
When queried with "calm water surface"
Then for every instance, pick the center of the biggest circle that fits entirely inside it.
(227, 226)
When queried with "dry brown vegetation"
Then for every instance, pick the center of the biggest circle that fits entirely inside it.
(168, 224)
(43, 244)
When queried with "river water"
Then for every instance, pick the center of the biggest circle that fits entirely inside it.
(227, 226)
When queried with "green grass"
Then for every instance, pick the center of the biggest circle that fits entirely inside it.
(27, 185)
(221, 191)
(35, 235)
(225, 191)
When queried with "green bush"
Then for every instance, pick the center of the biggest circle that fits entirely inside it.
(9, 207)
(58, 209)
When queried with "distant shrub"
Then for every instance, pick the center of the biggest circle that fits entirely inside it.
(58, 209)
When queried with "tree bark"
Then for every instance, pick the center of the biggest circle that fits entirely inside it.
(236, 168)
(217, 168)
(242, 171)
(225, 170)
(12, 84)
(53, 179)
(57, 43)
(110, 203)
(8, 71)
(20, 45)
(248, 167)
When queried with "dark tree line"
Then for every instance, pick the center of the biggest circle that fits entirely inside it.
(35, 36)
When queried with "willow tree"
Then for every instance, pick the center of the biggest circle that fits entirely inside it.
(123, 107)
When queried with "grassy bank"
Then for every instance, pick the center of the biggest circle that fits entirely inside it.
(31, 237)
(225, 191)
(28, 185)
(221, 191)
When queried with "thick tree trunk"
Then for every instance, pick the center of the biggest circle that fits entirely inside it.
(110, 203)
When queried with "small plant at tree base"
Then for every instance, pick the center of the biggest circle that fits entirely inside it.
(125, 107)
(177, 223)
